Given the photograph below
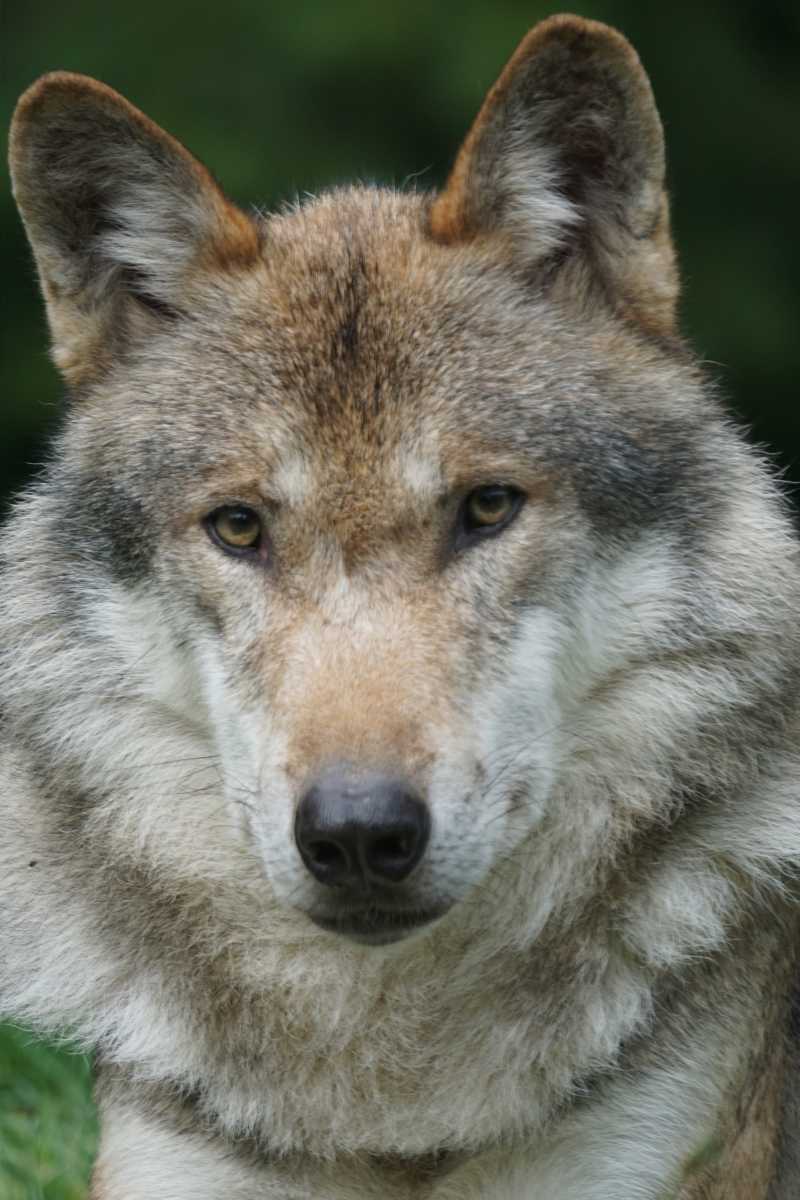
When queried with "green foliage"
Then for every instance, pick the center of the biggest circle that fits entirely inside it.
(47, 1121)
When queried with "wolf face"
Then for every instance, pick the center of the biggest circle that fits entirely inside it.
(396, 582)
(403, 423)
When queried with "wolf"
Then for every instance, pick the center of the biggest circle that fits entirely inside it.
(400, 675)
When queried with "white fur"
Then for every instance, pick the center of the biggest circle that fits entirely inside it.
(602, 1153)
(538, 212)
(292, 480)
(601, 719)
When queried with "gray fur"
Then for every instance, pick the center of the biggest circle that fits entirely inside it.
(599, 703)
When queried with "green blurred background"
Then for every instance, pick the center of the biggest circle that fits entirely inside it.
(279, 98)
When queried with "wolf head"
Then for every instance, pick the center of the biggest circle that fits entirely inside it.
(394, 562)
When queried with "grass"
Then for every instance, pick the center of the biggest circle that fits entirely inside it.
(48, 1128)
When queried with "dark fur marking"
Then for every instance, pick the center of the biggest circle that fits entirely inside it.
(787, 1166)
(209, 615)
(348, 335)
(352, 295)
(112, 525)
(135, 282)
(620, 483)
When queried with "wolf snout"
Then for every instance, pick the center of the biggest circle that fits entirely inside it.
(356, 830)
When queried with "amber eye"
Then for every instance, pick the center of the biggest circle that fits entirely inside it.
(235, 528)
(490, 508)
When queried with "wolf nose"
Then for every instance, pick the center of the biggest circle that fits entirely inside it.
(354, 831)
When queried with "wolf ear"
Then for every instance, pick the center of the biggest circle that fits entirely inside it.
(122, 219)
(565, 162)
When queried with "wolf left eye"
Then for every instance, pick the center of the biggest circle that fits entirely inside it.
(487, 510)
(235, 527)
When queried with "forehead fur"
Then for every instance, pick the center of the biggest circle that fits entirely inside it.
(371, 318)
(356, 328)
(360, 360)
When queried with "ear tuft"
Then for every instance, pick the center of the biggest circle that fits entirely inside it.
(115, 209)
(567, 155)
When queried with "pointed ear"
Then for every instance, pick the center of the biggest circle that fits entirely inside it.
(123, 221)
(565, 164)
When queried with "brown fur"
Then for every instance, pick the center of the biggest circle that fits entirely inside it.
(563, 68)
(84, 346)
(592, 705)
(741, 1163)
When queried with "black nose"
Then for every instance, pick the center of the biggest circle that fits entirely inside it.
(352, 830)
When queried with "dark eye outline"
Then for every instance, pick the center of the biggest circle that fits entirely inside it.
(469, 532)
(253, 551)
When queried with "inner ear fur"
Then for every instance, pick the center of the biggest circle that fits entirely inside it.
(122, 219)
(566, 159)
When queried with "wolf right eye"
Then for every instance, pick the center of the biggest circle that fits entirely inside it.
(487, 511)
(235, 528)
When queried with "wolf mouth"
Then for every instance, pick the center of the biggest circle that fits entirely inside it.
(376, 926)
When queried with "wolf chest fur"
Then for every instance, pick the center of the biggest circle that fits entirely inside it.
(399, 672)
